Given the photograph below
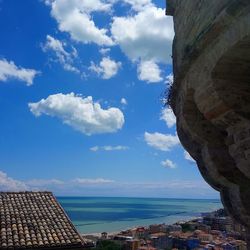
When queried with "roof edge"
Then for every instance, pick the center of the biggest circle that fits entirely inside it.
(69, 220)
(25, 192)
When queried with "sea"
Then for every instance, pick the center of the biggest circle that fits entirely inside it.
(95, 215)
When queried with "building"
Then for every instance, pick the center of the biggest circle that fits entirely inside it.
(156, 228)
(204, 228)
(35, 220)
(219, 223)
(122, 238)
(229, 246)
(132, 244)
(139, 232)
(174, 228)
(180, 240)
(146, 248)
(104, 235)
(203, 237)
(193, 243)
(159, 240)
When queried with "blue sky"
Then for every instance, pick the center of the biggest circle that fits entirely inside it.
(81, 89)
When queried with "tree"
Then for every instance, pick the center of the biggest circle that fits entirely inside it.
(107, 245)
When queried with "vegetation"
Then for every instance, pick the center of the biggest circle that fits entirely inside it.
(107, 245)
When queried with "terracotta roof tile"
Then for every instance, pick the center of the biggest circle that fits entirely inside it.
(35, 220)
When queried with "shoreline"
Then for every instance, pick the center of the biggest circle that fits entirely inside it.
(209, 230)
(143, 223)
(135, 226)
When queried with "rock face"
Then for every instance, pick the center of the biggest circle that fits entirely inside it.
(211, 94)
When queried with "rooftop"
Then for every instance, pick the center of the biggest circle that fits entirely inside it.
(35, 220)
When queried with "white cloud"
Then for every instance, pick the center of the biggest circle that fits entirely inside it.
(74, 16)
(104, 51)
(8, 70)
(168, 164)
(168, 116)
(55, 45)
(109, 148)
(103, 187)
(9, 184)
(142, 37)
(36, 183)
(82, 181)
(83, 114)
(144, 41)
(107, 68)
(48, 2)
(163, 142)
(124, 101)
(188, 157)
(139, 4)
(95, 148)
(65, 58)
(149, 71)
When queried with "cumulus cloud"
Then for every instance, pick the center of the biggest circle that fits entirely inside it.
(124, 101)
(163, 142)
(74, 17)
(107, 68)
(168, 116)
(9, 184)
(144, 38)
(104, 51)
(139, 5)
(168, 164)
(149, 71)
(82, 114)
(109, 148)
(8, 70)
(64, 57)
(188, 157)
(144, 41)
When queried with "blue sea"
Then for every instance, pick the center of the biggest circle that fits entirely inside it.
(95, 215)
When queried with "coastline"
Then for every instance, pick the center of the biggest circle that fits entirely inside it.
(118, 226)
(212, 230)
(111, 233)
(97, 215)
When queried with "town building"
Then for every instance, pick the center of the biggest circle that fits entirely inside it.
(190, 235)
(140, 232)
(159, 240)
(132, 244)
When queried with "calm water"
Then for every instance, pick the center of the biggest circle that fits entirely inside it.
(95, 215)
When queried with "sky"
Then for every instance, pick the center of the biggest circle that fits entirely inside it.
(82, 101)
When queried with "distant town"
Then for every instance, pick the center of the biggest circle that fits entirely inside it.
(215, 231)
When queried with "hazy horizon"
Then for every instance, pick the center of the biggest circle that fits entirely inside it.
(82, 101)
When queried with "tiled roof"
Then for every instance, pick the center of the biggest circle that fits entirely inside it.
(35, 220)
